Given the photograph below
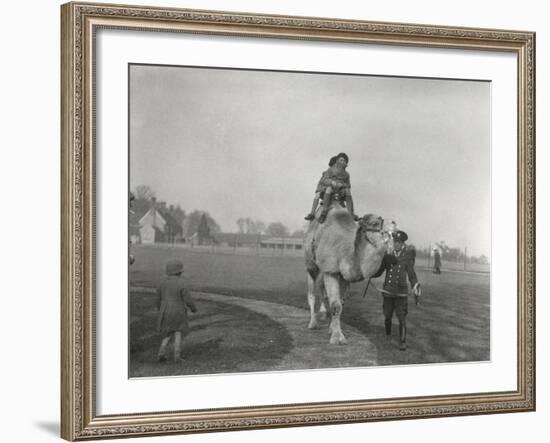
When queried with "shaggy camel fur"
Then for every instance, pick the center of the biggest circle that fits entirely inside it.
(339, 252)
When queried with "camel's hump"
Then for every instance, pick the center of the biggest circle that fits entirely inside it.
(343, 219)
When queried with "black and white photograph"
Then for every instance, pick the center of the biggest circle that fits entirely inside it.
(285, 220)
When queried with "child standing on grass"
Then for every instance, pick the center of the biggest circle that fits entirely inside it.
(174, 300)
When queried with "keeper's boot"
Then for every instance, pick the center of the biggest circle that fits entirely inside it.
(311, 215)
(387, 324)
(402, 335)
(349, 205)
(327, 200)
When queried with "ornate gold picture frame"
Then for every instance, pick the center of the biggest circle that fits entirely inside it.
(80, 23)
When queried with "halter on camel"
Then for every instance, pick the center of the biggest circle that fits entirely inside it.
(386, 233)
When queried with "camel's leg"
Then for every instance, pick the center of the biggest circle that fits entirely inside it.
(313, 323)
(332, 285)
(324, 303)
(344, 289)
(323, 313)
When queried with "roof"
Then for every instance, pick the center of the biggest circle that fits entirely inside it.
(227, 237)
(149, 211)
(166, 217)
(284, 240)
(136, 216)
(171, 221)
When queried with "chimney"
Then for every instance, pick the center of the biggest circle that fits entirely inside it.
(171, 208)
(162, 205)
(153, 202)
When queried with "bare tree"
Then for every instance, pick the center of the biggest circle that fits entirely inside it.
(241, 223)
(143, 200)
(144, 192)
(249, 226)
(259, 227)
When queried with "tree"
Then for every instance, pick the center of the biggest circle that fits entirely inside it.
(241, 224)
(249, 223)
(203, 229)
(483, 259)
(144, 192)
(249, 226)
(178, 214)
(299, 233)
(143, 200)
(259, 227)
(277, 229)
(193, 220)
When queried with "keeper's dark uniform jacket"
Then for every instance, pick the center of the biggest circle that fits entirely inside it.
(398, 267)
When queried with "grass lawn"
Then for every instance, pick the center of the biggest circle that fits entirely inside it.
(451, 324)
(208, 348)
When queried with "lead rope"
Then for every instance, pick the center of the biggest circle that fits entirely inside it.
(367, 287)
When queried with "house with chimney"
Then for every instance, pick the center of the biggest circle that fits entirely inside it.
(160, 224)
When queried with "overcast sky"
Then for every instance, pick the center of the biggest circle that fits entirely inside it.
(242, 143)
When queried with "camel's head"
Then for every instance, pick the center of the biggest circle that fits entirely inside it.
(375, 231)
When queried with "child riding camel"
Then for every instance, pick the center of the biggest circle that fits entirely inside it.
(335, 180)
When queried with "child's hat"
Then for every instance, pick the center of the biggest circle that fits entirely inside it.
(344, 156)
(174, 267)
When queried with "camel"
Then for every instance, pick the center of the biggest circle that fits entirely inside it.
(339, 252)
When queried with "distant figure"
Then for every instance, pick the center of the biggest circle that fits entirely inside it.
(437, 261)
(174, 300)
(398, 266)
(334, 180)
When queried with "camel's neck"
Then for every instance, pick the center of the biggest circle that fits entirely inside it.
(369, 255)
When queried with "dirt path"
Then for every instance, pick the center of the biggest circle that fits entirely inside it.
(310, 347)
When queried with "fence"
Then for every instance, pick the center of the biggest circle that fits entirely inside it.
(461, 262)
(259, 249)
(423, 261)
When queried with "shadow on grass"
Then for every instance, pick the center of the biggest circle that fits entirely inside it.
(237, 340)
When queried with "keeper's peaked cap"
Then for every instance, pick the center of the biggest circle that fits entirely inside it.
(400, 235)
